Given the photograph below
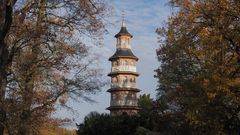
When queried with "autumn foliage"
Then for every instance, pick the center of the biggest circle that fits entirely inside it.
(199, 75)
(43, 62)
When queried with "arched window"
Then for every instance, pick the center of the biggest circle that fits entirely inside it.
(114, 79)
(114, 96)
(123, 43)
(130, 102)
(117, 63)
(125, 81)
(134, 63)
(134, 79)
(118, 43)
(125, 62)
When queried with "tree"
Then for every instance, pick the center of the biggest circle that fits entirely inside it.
(150, 120)
(103, 124)
(200, 64)
(145, 102)
(147, 114)
(41, 62)
(156, 117)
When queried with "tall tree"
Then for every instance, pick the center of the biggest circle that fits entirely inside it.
(40, 62)
(104, 124)
(200, 64)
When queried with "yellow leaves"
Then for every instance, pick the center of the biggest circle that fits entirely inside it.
(170, 35)
(184, 3)
(234, 82)
(209, 90)
(51, 130)
(68, 33)
(215, 85)
(211, 95)
(34, 66)
(204, 32)
(205, 82)
(63, 99)
(63, 50)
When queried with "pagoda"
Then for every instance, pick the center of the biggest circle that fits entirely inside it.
(123, 76)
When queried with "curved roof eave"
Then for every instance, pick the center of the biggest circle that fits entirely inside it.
(123, 53)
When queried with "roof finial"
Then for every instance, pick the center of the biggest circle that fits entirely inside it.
(123, 19)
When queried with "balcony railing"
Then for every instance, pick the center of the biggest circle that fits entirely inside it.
(124, 68)
(123, 103)
(124, 85)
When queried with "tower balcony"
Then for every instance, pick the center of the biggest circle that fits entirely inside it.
(122, 103)
(124, 85)
(124, 68)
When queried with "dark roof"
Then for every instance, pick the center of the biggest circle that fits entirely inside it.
(123, 53)
(123, 72)
(123, 89)
(124, 108)
(123, 32)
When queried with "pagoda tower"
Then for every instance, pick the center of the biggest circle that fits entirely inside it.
(123, 76)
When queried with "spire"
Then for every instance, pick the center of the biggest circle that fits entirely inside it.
(123, 31)
(123, 19)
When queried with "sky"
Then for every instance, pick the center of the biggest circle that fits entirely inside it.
(142, 19)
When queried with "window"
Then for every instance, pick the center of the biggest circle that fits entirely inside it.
(114, 80)
(123, 43)
(126, 62)
(117, 79)
(114, 96)
(118, 43)
(130, 102)
(125, 81)
(134, 80)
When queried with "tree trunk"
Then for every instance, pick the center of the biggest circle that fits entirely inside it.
(6, 21)
(24, 128)
(3, 83)
(25, 124)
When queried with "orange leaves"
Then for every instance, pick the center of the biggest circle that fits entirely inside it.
(200, 61)
(68, 49)
(204, 32)
(63, 100)
(234, 83)
(182, 3)
(44, 58)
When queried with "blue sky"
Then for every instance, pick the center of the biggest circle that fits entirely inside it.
(142, 19)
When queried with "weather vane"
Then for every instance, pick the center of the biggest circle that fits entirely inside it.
(123, 18)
